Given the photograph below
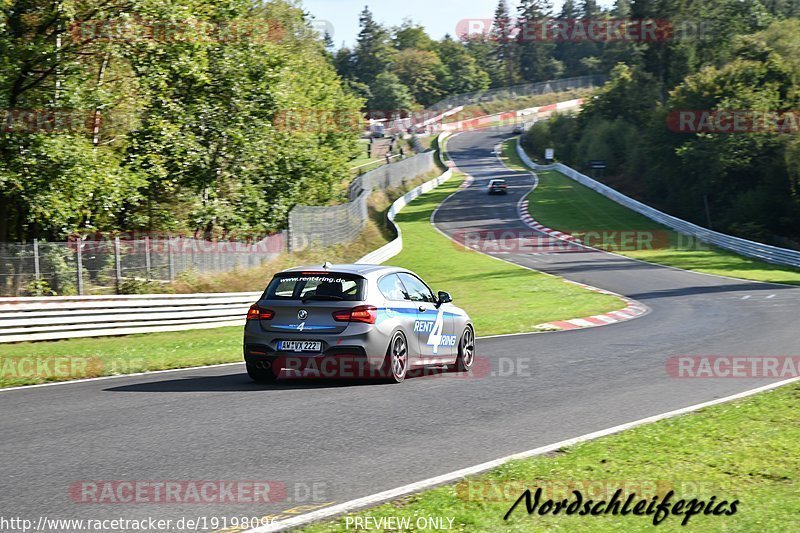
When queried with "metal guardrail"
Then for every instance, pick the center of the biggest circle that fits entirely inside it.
(338, 224)
(508, 118)
(51, 318)
(757, 250)
(518, 91)
(387, 251)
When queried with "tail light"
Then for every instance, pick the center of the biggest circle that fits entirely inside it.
(362, 313)
(258, 313)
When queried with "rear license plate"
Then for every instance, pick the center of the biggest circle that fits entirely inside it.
(300, 346)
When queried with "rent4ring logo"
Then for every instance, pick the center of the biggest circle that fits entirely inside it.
(435, 327)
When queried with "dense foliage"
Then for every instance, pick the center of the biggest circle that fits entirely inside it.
(205, 116)
(177, 116)
(746, 60)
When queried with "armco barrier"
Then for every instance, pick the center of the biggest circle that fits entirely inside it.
(66, 317)
(519, 91)
(765, 252)
(387, 251)
(507, 118)
(50, 318)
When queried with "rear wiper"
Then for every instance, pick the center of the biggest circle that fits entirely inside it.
(321, 297)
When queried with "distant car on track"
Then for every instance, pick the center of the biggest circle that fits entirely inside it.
(519, 129)
(498, 187)
(354, 321)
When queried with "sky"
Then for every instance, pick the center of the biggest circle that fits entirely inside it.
(439, 17)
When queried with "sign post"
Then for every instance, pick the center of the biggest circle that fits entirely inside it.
(597, 164)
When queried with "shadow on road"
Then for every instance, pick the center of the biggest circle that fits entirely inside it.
(238, 382)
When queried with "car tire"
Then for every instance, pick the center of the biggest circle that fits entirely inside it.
(262, 375)
(395, 364)
(466, 351)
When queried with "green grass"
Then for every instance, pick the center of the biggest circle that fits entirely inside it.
(510, 157)
(355, 163)
(103, 356)
(501, 297)
(563, 204)
(745, 450)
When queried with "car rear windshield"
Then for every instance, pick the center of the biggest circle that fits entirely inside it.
(316, 286)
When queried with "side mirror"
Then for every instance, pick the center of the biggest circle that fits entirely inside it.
(444, 297)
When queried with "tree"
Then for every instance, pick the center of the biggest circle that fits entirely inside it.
(410, 35)
(422, 72)
(176, 131)
(503, 45)
(621, 9)
(389, 94)
(535, 55)
(483, 51)
(463, 74)
(373, 49)
(629, 93)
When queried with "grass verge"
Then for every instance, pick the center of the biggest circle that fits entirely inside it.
(499, 296)
(563, 204)
(502, 298)
(744, 450)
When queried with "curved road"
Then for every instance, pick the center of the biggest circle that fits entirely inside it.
(353, 439)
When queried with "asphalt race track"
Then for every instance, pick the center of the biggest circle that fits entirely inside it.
(354, 439)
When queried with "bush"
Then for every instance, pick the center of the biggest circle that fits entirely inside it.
(138, 286)
(39, 288)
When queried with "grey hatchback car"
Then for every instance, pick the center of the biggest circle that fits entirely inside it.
(354, 321)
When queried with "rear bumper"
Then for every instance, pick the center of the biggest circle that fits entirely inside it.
(360, 353)
(338, 363)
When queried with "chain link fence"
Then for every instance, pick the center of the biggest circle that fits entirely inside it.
(329, 225)
(519, 91)
(103, 265)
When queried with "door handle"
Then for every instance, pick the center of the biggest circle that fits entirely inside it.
(422, 309)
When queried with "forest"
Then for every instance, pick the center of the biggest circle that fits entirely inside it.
(169, 116)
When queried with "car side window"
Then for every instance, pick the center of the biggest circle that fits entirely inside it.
(392, 288)
(417, 290)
